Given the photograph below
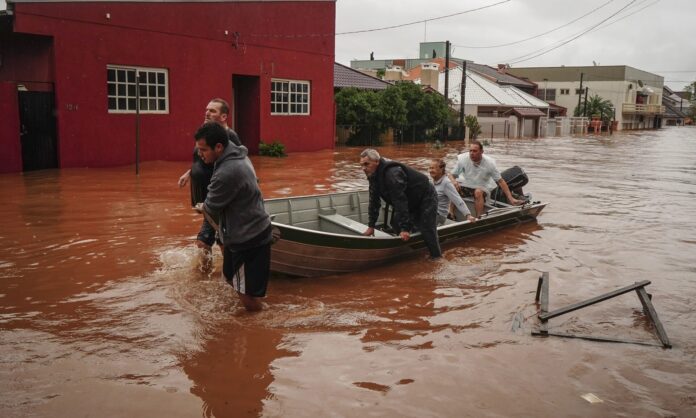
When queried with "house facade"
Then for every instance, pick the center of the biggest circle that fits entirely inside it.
(86, 83)
(501, 109)
(635, 94)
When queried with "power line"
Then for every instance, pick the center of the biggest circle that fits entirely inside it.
(574, 37)
(539, 35)
(630, 14)
(422, 21)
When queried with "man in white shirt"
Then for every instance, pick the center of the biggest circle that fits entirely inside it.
(478, 175)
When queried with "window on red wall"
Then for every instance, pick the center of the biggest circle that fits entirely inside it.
(128, 87)
(290, 97)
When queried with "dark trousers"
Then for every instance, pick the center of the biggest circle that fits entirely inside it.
(425, 219)
(207, 233)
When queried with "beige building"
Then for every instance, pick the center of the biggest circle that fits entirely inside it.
(635, 94)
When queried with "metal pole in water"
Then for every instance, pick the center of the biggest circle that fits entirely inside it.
(137, 122)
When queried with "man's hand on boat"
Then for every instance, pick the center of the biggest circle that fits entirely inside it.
(517, 202)
(405, 236)
(369, 232)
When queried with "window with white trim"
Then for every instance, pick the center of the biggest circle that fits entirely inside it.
(290, 97)
(123, 89)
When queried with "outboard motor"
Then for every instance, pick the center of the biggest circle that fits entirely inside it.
(516, 178)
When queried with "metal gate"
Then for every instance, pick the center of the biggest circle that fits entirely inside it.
(37, 130)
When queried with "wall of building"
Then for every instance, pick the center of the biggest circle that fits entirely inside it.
(11, 155)
(618, 84)
(190, 40)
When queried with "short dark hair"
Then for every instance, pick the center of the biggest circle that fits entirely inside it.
(224, 106)
(477, 142)
(213, 133)
(440, 163)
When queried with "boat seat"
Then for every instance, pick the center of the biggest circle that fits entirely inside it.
(350, 224)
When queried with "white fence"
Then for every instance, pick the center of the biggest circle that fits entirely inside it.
(563, 126)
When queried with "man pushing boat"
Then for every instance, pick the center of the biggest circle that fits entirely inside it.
(409, 192)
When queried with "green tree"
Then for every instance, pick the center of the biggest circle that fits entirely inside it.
(691, 96)
(424, 111)
(393, 104)
(362, 112)
(405, 106)
(691, 89)
(596, 106)
(472, 126)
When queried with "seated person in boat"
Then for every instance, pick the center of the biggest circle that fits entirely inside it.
(446, 193)
(477, 174)
(409, 192)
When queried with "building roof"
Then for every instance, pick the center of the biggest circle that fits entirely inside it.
(528, 112)
(523, 98)
(500, 78)
(589, 73)
(348, 77)
(483, 92)
(672, 112)
(415, 72)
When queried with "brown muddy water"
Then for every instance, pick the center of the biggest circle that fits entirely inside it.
(104, 310)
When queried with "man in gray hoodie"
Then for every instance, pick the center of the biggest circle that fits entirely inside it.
(245, 228)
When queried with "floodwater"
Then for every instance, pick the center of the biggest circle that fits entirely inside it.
(105, 310)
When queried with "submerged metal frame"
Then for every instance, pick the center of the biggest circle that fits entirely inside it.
(542, 298)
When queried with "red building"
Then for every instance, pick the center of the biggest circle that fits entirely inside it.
(72, 75)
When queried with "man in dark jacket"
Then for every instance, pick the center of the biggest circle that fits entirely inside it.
(245, 228)
(409, 192)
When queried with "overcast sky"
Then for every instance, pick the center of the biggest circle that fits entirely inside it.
(651, 35)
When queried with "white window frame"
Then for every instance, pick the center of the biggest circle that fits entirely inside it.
(121, 90)
(290, 97)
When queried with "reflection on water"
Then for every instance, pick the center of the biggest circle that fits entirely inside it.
(106, 307)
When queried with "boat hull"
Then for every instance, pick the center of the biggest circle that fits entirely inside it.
(306, 252)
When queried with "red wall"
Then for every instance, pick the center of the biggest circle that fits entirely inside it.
(11, 155)
(189, 40)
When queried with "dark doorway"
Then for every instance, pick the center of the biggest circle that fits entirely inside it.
(247, 106)
(37, 130)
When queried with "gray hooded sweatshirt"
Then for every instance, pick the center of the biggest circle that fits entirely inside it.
(235, 198)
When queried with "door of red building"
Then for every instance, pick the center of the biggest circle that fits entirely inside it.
(37, 130)
(247, 107)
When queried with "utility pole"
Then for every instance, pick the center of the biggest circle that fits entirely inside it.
(137, 122)
(580, 90)
(462, 101)
(447, 59)
(447, 71)
(546, 91)
(584, 109)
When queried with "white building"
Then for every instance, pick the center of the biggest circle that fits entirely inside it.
(500, 110)
(635, 94)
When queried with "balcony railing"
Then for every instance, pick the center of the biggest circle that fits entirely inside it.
(643, 108)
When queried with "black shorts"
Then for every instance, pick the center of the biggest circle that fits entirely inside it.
(469, 192)
(248, 270)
